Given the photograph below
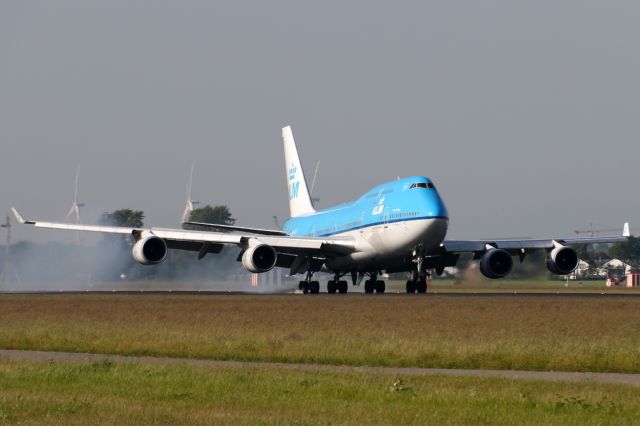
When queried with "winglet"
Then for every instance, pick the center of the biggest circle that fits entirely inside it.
(625, 230)
(20, 218)
(17, 215)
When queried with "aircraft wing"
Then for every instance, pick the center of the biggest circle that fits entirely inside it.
(468, 246)
(522, 245)
(212, 242)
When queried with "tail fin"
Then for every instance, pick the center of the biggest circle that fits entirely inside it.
(299, 199)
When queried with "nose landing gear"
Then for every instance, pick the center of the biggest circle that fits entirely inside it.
(419, 275)
(418, 282)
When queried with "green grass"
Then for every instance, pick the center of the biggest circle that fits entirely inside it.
(128, 393)
(528, 333)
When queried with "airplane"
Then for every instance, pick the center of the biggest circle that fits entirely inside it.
(398, 226)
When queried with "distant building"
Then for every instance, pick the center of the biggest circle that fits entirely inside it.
(583, 270)
(618, 264)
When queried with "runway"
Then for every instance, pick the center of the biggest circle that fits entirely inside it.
(487, 294)
(554, 376)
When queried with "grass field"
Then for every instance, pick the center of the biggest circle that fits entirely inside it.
(124, 393)
(528, 333)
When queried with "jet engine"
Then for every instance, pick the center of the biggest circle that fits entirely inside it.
(150, 250)
(562, 260)
(496, 263)
(259, 258)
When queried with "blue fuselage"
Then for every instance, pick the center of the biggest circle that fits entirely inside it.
(409, 199)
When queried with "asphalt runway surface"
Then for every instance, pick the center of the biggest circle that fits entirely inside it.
(555, 376)
(352, 294)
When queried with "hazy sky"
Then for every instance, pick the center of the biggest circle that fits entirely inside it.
(525, 114)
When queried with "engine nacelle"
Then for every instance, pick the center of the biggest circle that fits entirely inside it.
(259, 258)
(496, 263)
(562, 260)
(150, 250)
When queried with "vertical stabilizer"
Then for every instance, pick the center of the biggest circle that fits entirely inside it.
(299, 200)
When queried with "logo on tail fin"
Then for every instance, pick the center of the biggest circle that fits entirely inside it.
(294, 186)
(293, 190)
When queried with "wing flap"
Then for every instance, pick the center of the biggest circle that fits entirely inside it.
(310, 244)
(481, 245)
(195, 246)
(184, 235)
(258, 231)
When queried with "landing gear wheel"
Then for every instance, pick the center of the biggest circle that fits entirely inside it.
(332, 287)
(421, 285)
(380, 286)
(342, 286)
(369, 286)
(411, 286)
(314, 287)
(302, 285)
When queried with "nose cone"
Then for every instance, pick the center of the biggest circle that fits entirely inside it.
(435, 206)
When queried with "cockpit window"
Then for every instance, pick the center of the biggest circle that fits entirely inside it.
(422, 185)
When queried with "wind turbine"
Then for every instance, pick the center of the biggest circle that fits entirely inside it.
(8, 274)
(188, 208)
(75, 206)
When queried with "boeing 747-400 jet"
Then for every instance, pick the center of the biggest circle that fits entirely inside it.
(398, 226)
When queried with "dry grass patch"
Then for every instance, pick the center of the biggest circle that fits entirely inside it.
(533, 333)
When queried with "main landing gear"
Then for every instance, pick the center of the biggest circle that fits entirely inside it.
(309, 286)
(333, 287)
(312, 287)
(374, 284)
(337, 285)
